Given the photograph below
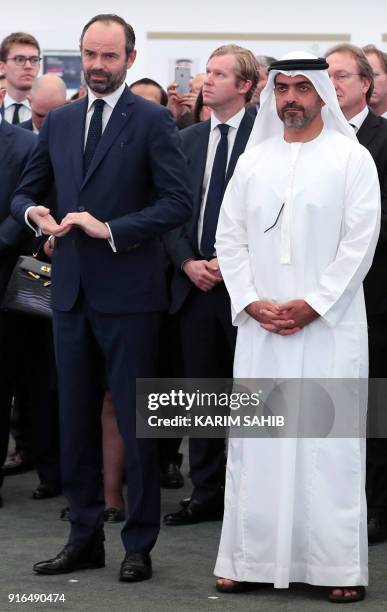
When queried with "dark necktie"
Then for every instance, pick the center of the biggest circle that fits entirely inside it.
(16, 118)
(215, 194)
(94, 134)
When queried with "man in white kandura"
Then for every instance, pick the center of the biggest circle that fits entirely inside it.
(296, 236)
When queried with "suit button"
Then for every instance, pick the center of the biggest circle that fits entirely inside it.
(81, 208)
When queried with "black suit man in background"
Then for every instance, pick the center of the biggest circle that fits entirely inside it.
(353, 78)
(199, 295)
(47, 92)
(16, 146)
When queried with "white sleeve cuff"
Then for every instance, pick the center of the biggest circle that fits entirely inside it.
(37, 231)
(111, 239)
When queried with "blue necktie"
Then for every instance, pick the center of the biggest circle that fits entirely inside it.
(94, 134)
(215, 194)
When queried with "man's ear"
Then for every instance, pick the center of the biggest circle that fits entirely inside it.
(131, 58)
(366, 84)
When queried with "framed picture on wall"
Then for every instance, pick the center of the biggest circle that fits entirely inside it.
(66, 64)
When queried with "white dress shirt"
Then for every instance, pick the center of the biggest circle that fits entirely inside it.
(9, 109)
(213, 141)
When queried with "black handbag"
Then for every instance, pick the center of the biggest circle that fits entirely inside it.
(29, 288)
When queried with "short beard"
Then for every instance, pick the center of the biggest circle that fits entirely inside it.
(112, 83)
(299, 121)
(296, 122)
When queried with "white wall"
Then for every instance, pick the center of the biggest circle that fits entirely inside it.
(57, 25)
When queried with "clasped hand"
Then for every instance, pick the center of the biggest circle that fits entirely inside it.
(40, 215)
(204, 274)
(283, 319)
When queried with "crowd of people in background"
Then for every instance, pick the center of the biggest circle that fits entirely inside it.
(195, 333)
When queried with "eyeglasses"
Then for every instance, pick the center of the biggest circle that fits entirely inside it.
(21, 60)
(341, 77)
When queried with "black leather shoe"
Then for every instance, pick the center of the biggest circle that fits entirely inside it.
(170, 475)
(377, 530)
(44, 490)
(195, 512)
(17, 463)
(113, 515)
(136, 567)
(75, 557)
(65, 514)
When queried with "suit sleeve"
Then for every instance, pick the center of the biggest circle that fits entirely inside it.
(12, 233)
(37, 178)
(173, 201)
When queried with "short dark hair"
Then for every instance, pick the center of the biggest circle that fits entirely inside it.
(363, 65)
(146, 81)
(21, 38)
(130, 37)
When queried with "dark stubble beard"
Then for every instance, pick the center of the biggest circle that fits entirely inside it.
(111, 83)
(298, 121)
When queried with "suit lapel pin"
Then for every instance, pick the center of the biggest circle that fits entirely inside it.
(123, 114)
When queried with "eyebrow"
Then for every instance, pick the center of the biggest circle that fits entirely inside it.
(306, 82)
(102, 52)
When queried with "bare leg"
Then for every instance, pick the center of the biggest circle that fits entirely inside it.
(113, 456)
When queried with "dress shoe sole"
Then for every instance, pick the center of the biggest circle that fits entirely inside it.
(45, 495)
(135, 578)
(172, 485)
(79, 566)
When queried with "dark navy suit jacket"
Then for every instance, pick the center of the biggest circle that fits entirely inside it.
(137, 182)
(181, 244)
(16, 146)
(373, 135)
(27, 125)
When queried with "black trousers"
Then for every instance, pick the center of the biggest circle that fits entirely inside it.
(376, 470)
(27, 370)
(92, 349)
(208, 343)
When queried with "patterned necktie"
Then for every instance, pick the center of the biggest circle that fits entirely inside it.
(94, 134)
(215, 194)
(16, 118)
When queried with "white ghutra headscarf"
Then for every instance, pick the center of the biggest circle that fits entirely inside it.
(268, 124)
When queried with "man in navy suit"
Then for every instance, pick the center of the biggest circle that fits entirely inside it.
(199, 295)
(121, 182)
(16, 146)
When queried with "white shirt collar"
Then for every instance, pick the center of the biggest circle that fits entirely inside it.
(358, 119)
(234, 121)
(8, 101)
(110, 99)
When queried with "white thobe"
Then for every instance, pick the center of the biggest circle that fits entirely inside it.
(295, 509)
